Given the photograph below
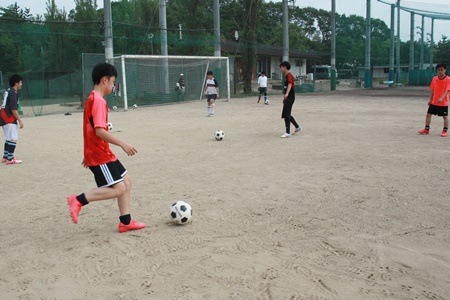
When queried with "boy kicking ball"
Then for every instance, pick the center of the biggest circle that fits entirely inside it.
(110, 175)
(438, 104)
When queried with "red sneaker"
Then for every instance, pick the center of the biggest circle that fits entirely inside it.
(424, 131)
(444, 133)
(75, 207)
(132, 226)
(258, 100)
(4, 160)
(13, 162)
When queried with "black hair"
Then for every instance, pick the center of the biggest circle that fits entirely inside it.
(209, 73)
(14, 79)
(441, 65)
(285, 64)
(101, 70)
(263, 72)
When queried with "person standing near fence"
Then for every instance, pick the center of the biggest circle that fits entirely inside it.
(10, 119)
(211, 91)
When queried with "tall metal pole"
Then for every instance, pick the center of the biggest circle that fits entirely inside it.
(109, 52)
(422, 37)
(432, 44)
(399, 76)
(163, 27)
(217, 49)
(333, 45)
(164, 51)
(285, 31)
(411, 50)
(367, 72)
(392, 47)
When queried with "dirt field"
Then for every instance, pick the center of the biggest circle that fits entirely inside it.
(356, 206)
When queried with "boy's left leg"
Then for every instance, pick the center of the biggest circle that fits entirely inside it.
(445, 129)
(126, 223)
(213, 105)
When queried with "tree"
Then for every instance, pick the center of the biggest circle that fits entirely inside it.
(248, 48)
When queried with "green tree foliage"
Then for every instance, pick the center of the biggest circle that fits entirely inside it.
(55, 41)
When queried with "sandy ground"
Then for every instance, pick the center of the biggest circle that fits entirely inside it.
(356, 206)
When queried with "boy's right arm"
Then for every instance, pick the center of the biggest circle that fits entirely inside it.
(108, 137)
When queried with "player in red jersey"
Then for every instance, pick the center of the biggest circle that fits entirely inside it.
(110, 175)
(438, 104)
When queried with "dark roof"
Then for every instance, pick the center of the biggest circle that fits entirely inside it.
(266, 50)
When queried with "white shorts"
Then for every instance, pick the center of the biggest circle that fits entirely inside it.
(11, 132)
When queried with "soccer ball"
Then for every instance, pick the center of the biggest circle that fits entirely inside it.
(110, 127)
(114, 108)
(219, 135)
(181, 212)
(266, 102)
(134, 105)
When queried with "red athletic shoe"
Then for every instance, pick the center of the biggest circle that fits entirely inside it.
(75, 207)
(4, 160)
(258, 100)
(424, 131)
(13, 162)
(132, 226)
(444, 133)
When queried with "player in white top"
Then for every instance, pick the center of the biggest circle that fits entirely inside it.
(262, 86)
(211, 91)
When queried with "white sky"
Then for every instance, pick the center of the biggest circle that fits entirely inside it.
(357, 7)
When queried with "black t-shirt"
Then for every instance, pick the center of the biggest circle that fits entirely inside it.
(10, 102)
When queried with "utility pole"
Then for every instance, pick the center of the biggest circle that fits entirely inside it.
(217, 49)
(368, 72)
(392, 47)
(422, 37)
(399, 71)
(333, 45)
(431, 43)
(164, 51)
(411, 49)
(109, 52)
(285, 31)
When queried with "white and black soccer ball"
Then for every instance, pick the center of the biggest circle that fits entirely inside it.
(134, 105)
(266, 102)
(181, 212)
(219, 135)
(110, 126)
(114, 108)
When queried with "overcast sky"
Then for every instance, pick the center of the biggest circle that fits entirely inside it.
(348, 7)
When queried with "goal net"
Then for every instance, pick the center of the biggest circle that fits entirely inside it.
(154, 79)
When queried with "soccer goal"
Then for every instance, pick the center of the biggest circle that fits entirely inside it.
(152, 79)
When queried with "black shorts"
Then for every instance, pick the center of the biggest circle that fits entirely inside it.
(108, 174)
(441, 111)
(211, 96)
(287, 108)
(263, 90)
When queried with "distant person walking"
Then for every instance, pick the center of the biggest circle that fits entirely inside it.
(211, 91)
(262, 86)
(288, 99)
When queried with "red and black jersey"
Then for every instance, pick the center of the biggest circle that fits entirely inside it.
(96, 150)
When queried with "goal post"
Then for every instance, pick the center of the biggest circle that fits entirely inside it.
(152, 79)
